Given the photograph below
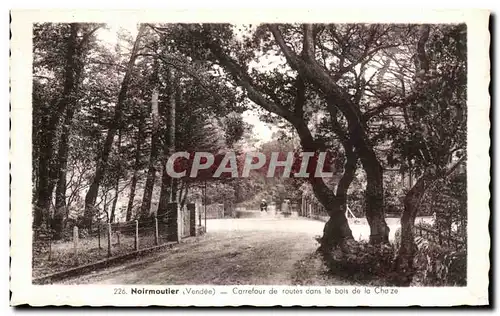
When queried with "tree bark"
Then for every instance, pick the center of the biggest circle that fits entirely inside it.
(336, 229)
(137, 165)
(48, 133)
(117, 185)
(61, 212)
(346, 179)
(101, 168)
(183, 193)
(407, 250)
(155, 148)
(167, 183)
(374, 195)
(115, 200)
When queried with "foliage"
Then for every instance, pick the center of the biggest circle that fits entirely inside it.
(438, 266)
(435, 121)
(434, 264)
(448, 201)
(363, 262)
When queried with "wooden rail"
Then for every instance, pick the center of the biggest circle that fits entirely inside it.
(438, 237)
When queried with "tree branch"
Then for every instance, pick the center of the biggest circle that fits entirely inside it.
(242, 78)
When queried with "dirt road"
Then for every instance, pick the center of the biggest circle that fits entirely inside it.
(267, 250)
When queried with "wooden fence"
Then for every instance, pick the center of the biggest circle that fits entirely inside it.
(110, 239)
(439, 237)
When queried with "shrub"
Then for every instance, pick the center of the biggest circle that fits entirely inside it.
(436, 265)
(361, 261)
(439, 266)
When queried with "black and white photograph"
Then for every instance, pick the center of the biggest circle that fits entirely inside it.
(304, 160)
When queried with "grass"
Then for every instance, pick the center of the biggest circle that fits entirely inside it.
(61, 255)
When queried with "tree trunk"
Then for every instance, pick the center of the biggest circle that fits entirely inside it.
(407, 249)
(48, 133)
(406, 253)
(174, 190)
(91, 196)
(135, 175)
(337, 229)
(347, 178)
(62, 164)
(117, 185)
(167, 183)
(183, 193)
(115, 200)
(164, 191)
(307, 66)
(337, 226)
(374, 195)
(105, 207)
(153, 157)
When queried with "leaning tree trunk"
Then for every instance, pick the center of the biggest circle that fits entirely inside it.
(115, 200)
(91, 196)
(408, 248)
(117, 185)
(48, 133)
(308, 67)
(346, 180)
(336, 230)
(137, 165)
(337, 226)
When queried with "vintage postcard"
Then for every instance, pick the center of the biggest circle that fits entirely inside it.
(244, 157)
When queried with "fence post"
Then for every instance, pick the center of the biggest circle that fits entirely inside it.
(75, 239)
(136, 240)
(156, 231)
(109, 239)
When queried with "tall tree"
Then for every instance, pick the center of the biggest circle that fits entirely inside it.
(91, 196)
(137, 164)
(167, 188)
(48, 135)
(434, 139)
(70, 42)
(155, 143)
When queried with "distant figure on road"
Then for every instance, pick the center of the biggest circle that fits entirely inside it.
(285, 207)
(263, 205)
